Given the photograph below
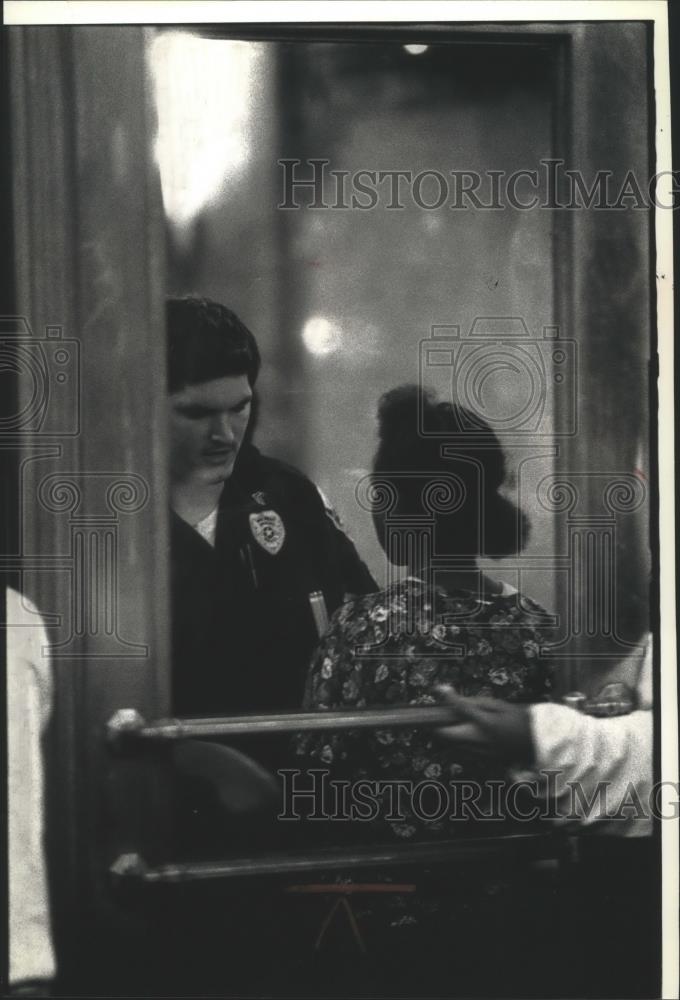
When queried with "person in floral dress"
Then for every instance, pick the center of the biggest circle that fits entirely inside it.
(444, 623)
(468, 926)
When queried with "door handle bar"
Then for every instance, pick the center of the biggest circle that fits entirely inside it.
(132, 868)
(127, 726)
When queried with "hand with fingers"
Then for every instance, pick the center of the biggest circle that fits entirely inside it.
(489, 728)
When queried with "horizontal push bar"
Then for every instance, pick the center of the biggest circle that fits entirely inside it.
(128, 725)
(534, 847)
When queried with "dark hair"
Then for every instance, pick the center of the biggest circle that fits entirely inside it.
(423, 443)
(206, 341)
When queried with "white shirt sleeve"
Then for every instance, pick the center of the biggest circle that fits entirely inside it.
(604, 765)
(29, 693)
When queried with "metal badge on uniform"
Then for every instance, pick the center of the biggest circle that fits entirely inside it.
(268, 530)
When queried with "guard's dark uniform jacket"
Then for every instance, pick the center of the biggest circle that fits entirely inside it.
(243, 625)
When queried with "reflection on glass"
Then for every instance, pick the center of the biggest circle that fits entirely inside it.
(320, 336)
(203, 100)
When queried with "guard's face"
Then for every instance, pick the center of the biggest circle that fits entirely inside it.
(208, 422)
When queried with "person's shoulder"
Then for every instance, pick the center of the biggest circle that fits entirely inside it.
(531, 610)
(25, 625)
(520, 606)
(499, 604)
(27, 646)
(20, 610)
(281, 482)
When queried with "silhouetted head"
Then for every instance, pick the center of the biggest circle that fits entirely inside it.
(437, 460)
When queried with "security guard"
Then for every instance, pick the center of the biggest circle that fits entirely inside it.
(258, 562)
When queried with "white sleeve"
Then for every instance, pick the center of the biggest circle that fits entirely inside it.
(31, 954)
(604, 766)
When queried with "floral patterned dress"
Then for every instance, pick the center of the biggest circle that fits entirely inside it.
(392, 648)
(471, 925)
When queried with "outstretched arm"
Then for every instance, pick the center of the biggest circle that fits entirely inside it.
(610, 757)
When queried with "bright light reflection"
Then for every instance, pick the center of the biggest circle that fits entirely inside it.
(203, 91)
(416, 50)
(320, 336)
